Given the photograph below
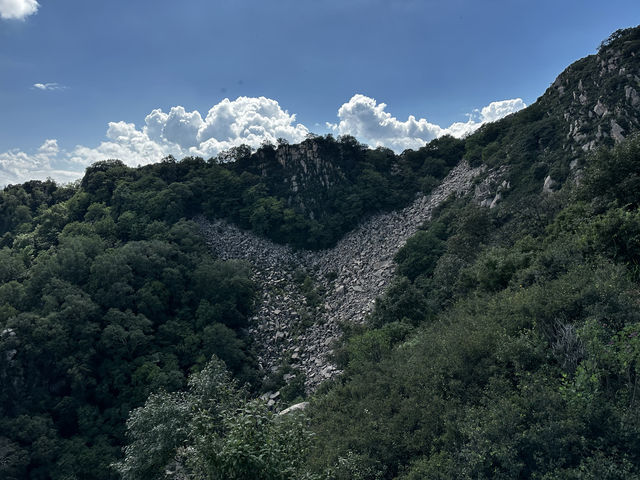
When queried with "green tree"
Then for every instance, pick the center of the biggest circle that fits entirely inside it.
(212, 432)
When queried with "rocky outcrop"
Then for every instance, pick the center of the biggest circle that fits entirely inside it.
(599, 98)
(490, 190)
(302, 173)
(549, 184)
(298, 322)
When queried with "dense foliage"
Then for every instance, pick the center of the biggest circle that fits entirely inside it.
(94, 319)
(516, 359)
(493, 355)
(507, 347)
(107, 292)
(212, 431)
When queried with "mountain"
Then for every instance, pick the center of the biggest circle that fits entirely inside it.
(465, 310)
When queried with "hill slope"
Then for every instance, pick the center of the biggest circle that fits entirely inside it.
(505, 345)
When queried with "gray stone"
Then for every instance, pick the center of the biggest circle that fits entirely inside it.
(549, 183)
(600, 109)
(294, 408)
(631, 95)
(616, 131)
(495, 201)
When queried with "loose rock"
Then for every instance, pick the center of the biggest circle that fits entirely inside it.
(360, 265)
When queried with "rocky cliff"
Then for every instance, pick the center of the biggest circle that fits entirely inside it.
(303, 173)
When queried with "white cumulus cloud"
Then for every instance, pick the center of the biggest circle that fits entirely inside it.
(230, 123)
(497, 110)
(17, 9)
(245, 120)
(18, 167)
(124, 142)
(248, 120)
(370, 123)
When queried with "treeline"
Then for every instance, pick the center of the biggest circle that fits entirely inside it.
(248, 188)
(253, 191)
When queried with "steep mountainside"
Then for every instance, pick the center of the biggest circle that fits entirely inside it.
(584, 108)
(594, 102)
(478, 297)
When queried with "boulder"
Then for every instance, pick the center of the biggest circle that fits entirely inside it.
(549, 183)
(298, 407)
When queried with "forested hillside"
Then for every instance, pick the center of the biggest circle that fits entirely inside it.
(522, 359)
(109, 293)
(507, 346)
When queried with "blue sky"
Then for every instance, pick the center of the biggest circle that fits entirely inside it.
(82, 80)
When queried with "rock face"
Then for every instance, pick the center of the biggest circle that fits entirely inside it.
(599, 98)
(298, 322)
(303, 173)
(489, 191)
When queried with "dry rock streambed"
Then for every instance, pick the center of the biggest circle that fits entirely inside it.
(307, 295)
